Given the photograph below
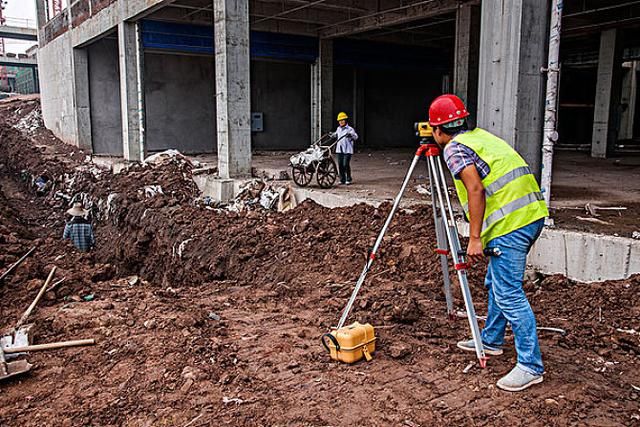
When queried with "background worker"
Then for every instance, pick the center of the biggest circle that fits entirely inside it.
(502, 201)
(344, 149)
(79, 229)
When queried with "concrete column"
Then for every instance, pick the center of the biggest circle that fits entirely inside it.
(131, 90)
(630, 99)
(325, 60)
(81, 98)
(465, 72)
(315, 101)
(608, 88)
(359, 105)
(233, 88)
(513, 39)
(41, 19)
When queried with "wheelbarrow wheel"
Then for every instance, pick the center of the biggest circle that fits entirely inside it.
(327, 173)
(302, 175)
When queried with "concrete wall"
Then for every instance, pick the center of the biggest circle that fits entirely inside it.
(180, 103)
(56, 88)
(104, 95)
(282, 92)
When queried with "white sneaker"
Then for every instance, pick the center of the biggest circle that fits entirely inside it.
(518, 379)
(348, 183)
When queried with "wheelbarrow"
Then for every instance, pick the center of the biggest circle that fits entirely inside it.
(316, 160)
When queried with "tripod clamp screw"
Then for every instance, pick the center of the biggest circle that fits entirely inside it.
(428, 149)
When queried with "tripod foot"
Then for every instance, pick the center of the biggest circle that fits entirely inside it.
(483, 362)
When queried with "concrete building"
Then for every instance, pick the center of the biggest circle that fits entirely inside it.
(127, 78)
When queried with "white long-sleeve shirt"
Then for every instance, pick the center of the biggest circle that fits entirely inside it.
(345, 145)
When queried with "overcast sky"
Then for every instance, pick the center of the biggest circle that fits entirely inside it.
(20, 9)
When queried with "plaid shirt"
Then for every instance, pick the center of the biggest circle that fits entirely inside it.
(460, 156)
(80, 234)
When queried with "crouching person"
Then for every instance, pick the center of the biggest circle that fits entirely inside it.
(79, 229)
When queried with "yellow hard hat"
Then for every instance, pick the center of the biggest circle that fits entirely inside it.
(342, 116)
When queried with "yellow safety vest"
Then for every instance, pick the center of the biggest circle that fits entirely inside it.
(513, 197)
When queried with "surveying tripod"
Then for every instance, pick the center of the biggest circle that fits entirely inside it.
(446, 235)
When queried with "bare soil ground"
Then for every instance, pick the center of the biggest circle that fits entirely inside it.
(206, 317)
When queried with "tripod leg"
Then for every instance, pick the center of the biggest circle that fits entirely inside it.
(442, 243)
(374, 251)
(460, 266)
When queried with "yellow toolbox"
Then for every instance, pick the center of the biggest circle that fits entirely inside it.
(350, 344)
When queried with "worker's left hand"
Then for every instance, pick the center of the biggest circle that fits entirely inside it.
(474, 250)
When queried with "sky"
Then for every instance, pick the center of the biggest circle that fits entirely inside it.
(21, 10)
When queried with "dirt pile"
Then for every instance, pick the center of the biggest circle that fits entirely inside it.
(212, 317)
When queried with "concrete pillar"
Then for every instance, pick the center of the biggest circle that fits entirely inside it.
(131, 90)
(465, 72)
(629, 99)
(41, 19)
(315, 101)
(325, 61)
(81, 98)
(358, 112)
(608, 88)
(233, 88)
(513, 40)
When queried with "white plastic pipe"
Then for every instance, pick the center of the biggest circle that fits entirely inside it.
(550, 133)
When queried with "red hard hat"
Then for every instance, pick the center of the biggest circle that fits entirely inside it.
(446, 108)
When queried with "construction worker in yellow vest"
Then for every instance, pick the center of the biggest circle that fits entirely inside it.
(502, 201)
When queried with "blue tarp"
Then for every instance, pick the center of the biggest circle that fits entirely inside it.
(359, 53)
(199, 39)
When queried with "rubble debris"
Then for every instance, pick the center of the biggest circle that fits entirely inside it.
(165, 157)
(31, 122)
(421, 189)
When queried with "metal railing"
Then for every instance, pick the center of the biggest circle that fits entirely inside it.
(19, 22)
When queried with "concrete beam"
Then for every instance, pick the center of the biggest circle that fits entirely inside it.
(394, 15)
(233, 87)
(131, 90)
(10, 61)
(107, 19)
(82, 102)
(513, 43)
(466, 57)
(608, 88)
(18, 33)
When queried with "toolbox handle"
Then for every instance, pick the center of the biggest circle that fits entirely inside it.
(332, 339)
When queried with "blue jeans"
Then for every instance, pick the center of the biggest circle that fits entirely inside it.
(507, 300)
(344, 167)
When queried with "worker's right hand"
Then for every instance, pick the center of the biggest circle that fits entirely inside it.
(474, 250)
